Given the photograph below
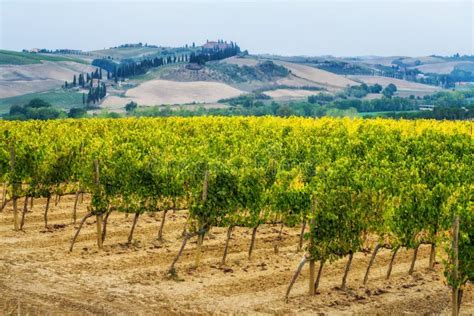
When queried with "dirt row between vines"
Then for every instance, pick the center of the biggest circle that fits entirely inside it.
(39, 276)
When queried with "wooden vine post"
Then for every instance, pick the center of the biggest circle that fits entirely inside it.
(98, 214)
(295, 276)
(4, 193)
(14, 190)
(104, 225)
(346, 271)
(162, 225)
(201, 232)
(392, 260)
(455, 290)
(135, 220)
(413, 261)
(25, 209)
(371, 262)
(432, 256)
(252, 241)
(318, 278)
(48, 200)
(312, 269)
(74, 211)
(300, 243)
(226, 247)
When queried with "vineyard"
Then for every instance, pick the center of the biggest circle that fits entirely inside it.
(338, 187)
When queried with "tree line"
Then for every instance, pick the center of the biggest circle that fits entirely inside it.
(97, 89)
(84, 81)
(130, 68)
(216, 53)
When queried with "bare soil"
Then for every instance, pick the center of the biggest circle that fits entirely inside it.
(20, 79)
(39, 276)
(443, 68)
(318, 76)
(159, 92)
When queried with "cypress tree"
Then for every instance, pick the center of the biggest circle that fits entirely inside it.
(89, 95)
(74, 81)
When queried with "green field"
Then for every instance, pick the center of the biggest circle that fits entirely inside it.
(58, 98)
(19, 58)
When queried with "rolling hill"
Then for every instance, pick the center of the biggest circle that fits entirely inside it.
(22, 79)
(28, 75)
(21, 58)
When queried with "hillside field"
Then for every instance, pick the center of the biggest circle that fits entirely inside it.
(22, 79)
(19, 58)
(158, 92)
(320, 77)
(446, 67)
(59, 97)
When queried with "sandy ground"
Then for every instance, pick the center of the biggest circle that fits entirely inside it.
(21, 79)
(284, 94)
(321, 77)
(403, 86)
(39, 276)
(158, 92)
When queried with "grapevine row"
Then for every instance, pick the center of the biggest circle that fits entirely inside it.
(345, 181)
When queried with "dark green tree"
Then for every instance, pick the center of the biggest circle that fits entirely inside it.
(77, 113)
(131, 106)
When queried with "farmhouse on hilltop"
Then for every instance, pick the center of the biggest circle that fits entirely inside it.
(220, 45)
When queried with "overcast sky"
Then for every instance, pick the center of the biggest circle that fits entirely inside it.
(291, 27)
